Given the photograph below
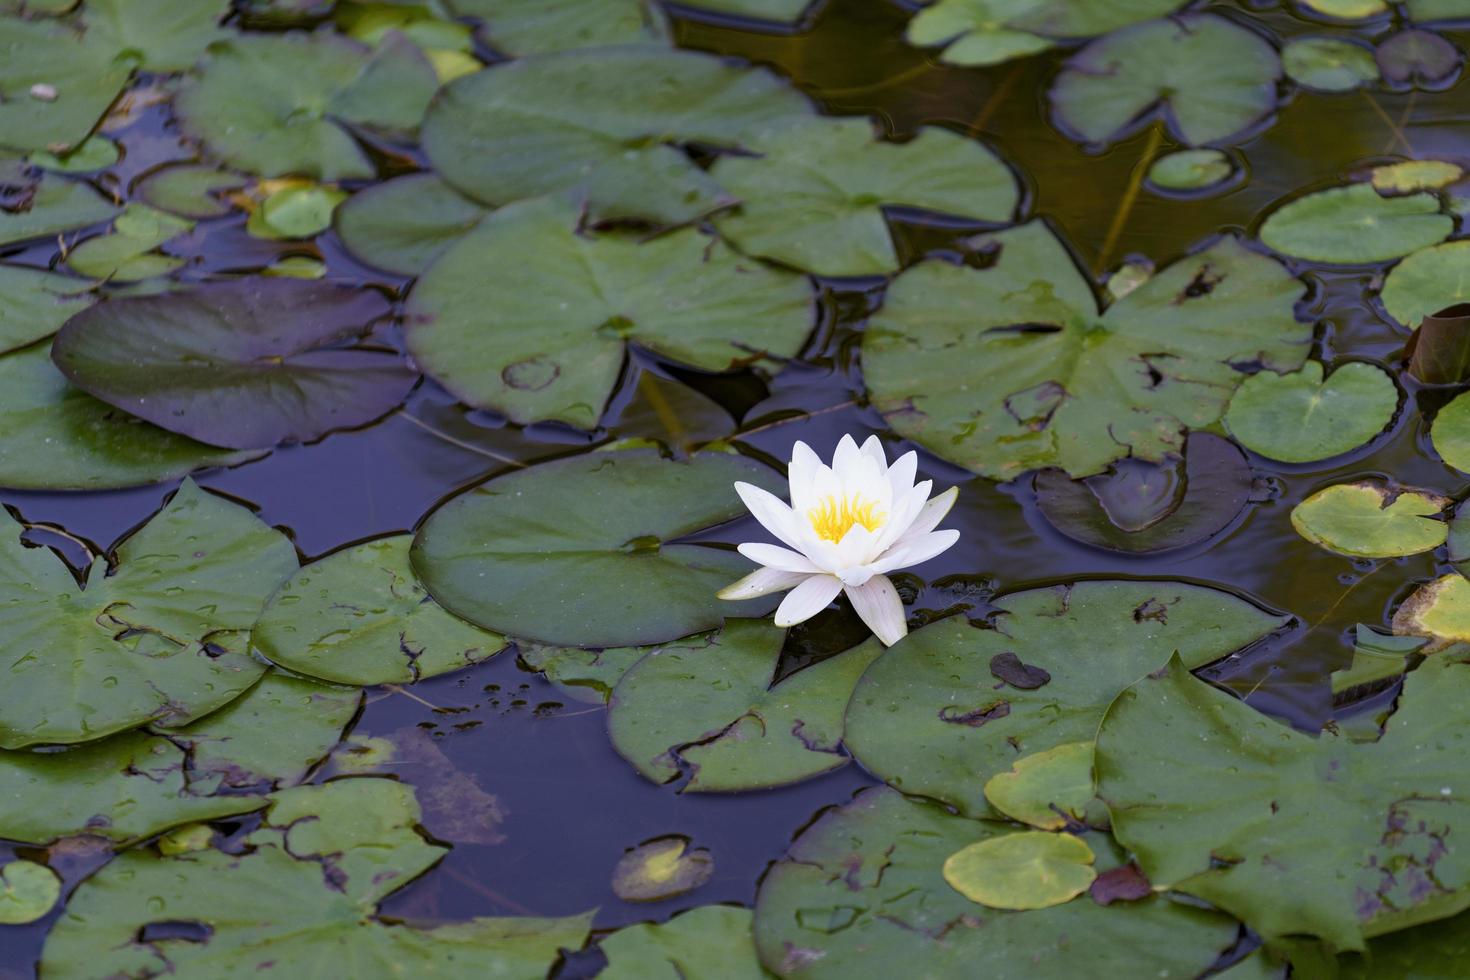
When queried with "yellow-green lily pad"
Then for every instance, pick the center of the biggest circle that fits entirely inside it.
(1031, 870)
(1371, 520)
(1047, 788)
(27, 892)
(661, 869)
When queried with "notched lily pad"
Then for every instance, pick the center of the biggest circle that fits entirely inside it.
(583, 675)
(1450, 433)
(611, 123)
(1426, 282)
(1191, 170)
(988, 32)
(128, 252)
(711, 706)
(529, 317)
(660, 869)
(1316, 836)
(1439, 610)
(308, 879)
(712, 942)
(818, 195)
(1419, 59)
(134, 645)
(1029, 870)
(189, 190)
(862, 893)
(1355, 225)
(44, 206)
(27, 892)
(359, 616)
(1046, 789)
(242, 364)
(1013, 367)
(1371, 520)
(1301, 418)
(1207, 77)
(402, 225)
(490, 556)
(521, 27)
(1329, 64)
(929, 717)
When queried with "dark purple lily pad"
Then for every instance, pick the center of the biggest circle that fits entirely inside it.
(1421, 59)
(243, 364)
(1141, 508)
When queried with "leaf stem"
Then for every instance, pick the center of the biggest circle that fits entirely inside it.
(1130, 196)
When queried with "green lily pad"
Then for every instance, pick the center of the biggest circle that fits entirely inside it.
(1439, 610)
(243, 364)
(126, 254)
(306, 885)
(1302, 835)
(1450, 433)
(1376, 657)
(490, 556)
(298, 211)
(815, 198)
(57, 205)
(1300, 418)
(166, 35)
(56, 82)
(1423, 11)
(583, 675)
(27, 892)
(134, 645)
(936, 717)
(712, 942)
(520, 27)
(660, 869)
(1430, 280)
(306, 95)
(1371, 520)
(1206, 77)
(189, 190)
(1329, 64)
(360, 617)
(528, 317)
(402, 225)
(1191, 170)
(1415, 175)
(1045, 789)
(134, 784)
(95, 153)
(56, 437)
(1354, 225)
(787, 12)
(1012, 367)
(988, 32)
(1029, 870)
(710, 705)
(1346, 9)
(610, 123)
(35, 303)
(861, 893)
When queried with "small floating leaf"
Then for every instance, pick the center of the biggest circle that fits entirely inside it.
(1422, 59)
(987, 32)
(1355, 225)
(1045, 788)
(402, 225)
(360, 617)
(1439, 610)
(712, 942)
(1430, 280)
(927, 716)
(1031, 870)
(1415, 175)
(126, 254)
(96, 153)
(1376, 657)
(135, 646)
(1190, 170)
(243, 364)
(527, 316)
(27, 892)
(297, 211)
(610, 123)
(520, 27)
(1346, 9)
(712, 705)
(1371, 520)
(57, 205)
(1450, 433)
(490, 556)
(815, 198)
(188, 190)
(661, 869)
(1207, 77)
(1329, 64)
(1300, 418)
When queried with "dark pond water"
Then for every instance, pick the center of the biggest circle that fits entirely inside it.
(568, 805)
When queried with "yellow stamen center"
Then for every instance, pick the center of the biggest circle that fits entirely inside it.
(835, 516)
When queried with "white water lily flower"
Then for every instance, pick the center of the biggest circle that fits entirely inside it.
(847, 525)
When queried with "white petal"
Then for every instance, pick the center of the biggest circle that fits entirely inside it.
(807, 599)
(932, 513)
(858, 546)
(916, 550)
(773, 514)
(800, 473)
(901, 474)
(762, 581)
(873, 448)
(906, 510)
(878, 604)
(845, 458)
(775, 556)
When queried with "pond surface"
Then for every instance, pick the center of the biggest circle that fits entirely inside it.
(517, 774)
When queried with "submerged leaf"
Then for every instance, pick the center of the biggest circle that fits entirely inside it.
(1030, 870)
(527, 316)
(1371, 520)
(1012, 367)
(491, 556)
(244, 364)
(660, 869)
(927, 716)
(359, 616)
(1300, 418)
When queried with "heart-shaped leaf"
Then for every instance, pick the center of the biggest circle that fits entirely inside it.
(1371, 520)
(988, 32)
(1355, 224)
(402, 225)
(1301, 418)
